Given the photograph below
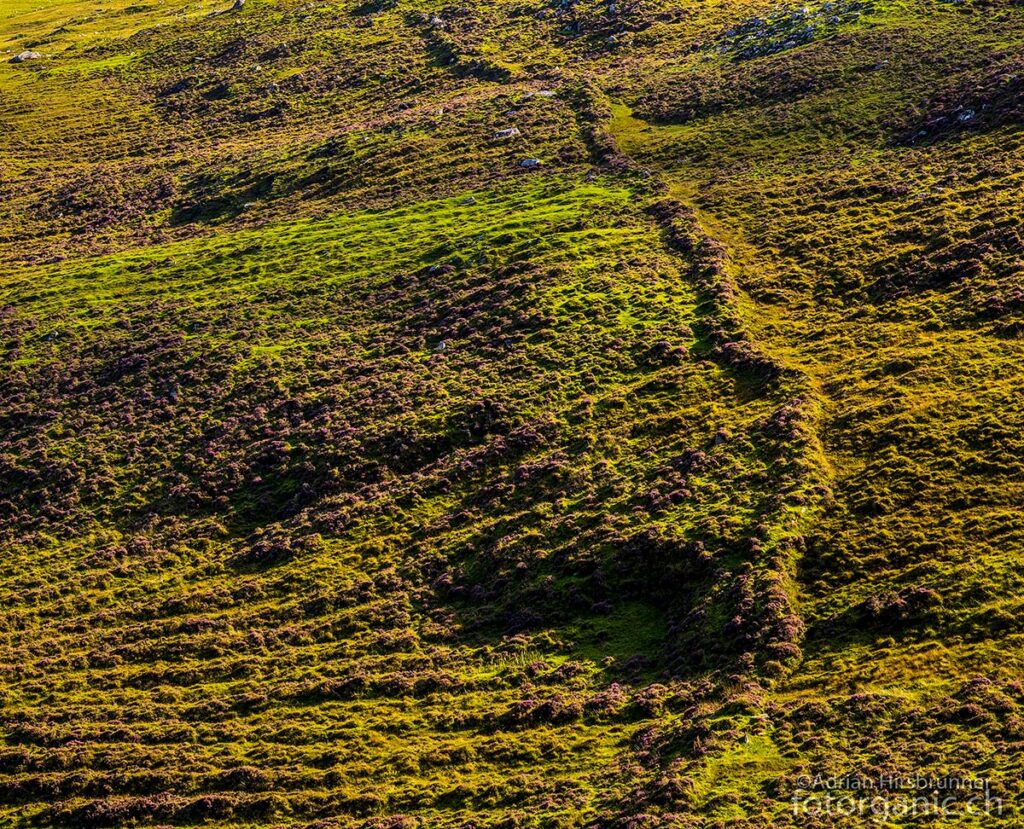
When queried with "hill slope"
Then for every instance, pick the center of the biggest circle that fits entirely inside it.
(527, 414)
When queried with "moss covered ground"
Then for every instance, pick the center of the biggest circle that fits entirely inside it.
(364, 465)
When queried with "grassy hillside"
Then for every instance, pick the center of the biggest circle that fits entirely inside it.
(526, 414)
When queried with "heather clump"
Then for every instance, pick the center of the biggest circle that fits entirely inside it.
(581, 414)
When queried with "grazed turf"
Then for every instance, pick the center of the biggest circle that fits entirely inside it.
(352, 474)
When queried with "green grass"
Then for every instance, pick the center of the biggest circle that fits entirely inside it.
(353, 476)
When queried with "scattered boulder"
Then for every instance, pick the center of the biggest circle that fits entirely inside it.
(789, 27)
(510, 132)
(530, 163)
(26, 55)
